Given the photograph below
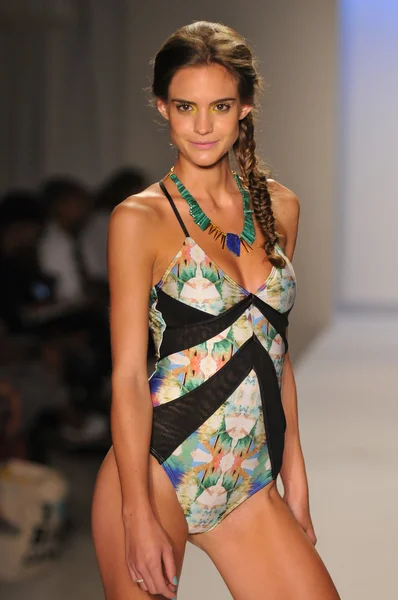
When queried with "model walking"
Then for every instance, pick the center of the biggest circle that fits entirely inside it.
(197, 448)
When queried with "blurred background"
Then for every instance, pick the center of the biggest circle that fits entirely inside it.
(78, 136)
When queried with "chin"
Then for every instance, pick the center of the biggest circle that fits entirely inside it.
(206, 159)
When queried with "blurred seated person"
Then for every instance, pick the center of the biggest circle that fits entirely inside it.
(25, 285)
(37, 411)
(68, 206)
(121, 184)
(53, 359)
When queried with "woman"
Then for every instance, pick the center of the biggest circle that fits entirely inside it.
(196, 452)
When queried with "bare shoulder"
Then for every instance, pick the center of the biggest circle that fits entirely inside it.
(286, 209)
(138, 209)
(284, 200)
(139, 215)
(134, 226)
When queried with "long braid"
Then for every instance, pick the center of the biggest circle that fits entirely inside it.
(255, 179)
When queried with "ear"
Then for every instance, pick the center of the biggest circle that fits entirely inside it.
(244, 111)
(162, 107)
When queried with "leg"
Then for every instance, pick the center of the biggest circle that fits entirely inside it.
(108, 532)
(261, 551)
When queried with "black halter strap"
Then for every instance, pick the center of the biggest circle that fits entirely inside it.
(173, 206)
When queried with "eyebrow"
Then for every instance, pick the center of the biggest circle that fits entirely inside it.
(214, 102)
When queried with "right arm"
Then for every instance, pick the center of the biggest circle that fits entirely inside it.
(131, 257)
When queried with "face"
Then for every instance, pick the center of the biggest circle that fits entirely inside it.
(72, 211)
(203, 110)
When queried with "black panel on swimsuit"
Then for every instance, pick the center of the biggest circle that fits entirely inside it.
(180, 318)
(190, 325)
(176, 420)
(278, 320)
(274, 415)
(176, 312)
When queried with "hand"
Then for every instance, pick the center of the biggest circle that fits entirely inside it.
(149, 556)
(301, 512)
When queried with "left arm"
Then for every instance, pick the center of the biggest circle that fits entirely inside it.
(293, 472)
(286, 208)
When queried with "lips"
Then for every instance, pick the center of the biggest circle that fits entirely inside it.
(203, 145)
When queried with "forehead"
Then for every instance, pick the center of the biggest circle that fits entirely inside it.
(204, 83)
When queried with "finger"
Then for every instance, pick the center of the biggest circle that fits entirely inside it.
(150, 585)
(134, 574)
(170, 567)
(161, 582)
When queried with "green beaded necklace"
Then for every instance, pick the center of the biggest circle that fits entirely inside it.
(231, 241)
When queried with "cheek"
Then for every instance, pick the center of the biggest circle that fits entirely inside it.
(228, 123)
(180, 125)
(229, 127)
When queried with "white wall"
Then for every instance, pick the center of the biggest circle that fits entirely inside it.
(368, 223)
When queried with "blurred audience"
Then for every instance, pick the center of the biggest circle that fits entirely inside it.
(26, 285)
(55, 357)
(82, 322)
(121, 184)
(48, 358)
(68, 205)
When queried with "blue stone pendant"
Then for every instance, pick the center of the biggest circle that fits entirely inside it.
(233, 243)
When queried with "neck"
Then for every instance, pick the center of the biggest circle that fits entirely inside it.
(215, 183)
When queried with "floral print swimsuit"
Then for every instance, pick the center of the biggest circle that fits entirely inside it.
(218, 420)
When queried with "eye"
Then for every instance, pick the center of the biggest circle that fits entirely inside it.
(184, 107)
(222, 107)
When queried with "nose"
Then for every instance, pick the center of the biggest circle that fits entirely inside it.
(203, 123)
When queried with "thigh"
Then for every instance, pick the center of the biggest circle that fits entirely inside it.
(261, 551)
(108, 531)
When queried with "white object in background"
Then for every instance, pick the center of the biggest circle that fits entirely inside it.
(32, 514)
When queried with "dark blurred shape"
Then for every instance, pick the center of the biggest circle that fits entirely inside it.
(11, 443)
(80, 321)
(24, 283)
(121, 184)
(67, 201)
(20, 205)
(68, 205)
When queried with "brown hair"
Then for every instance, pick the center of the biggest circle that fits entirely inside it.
(204, 43)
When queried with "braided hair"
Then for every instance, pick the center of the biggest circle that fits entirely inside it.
(255, 179)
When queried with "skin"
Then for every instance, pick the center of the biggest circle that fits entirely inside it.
(265, 547)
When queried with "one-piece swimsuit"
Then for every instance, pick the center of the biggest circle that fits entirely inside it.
(218, 420)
